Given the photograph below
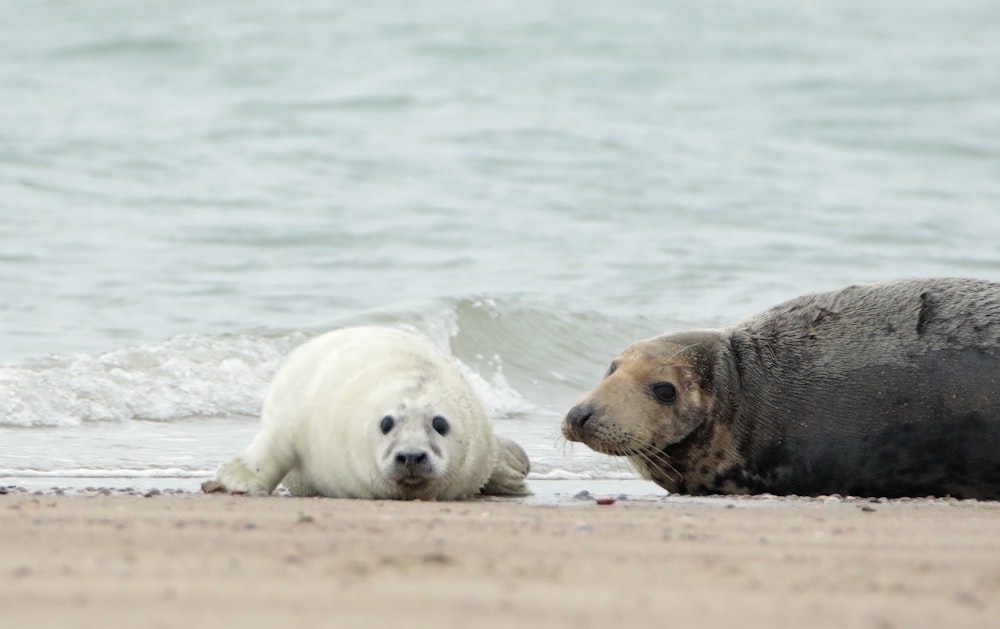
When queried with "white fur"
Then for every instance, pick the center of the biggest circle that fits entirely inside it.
(321, 426)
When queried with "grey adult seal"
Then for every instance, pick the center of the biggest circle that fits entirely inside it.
(887, 390)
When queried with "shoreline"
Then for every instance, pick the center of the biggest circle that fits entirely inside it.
(548, 492)
(111, 559)
(544, 491)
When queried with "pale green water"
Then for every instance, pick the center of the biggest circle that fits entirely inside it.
(187, 190)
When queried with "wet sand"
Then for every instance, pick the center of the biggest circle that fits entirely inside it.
(111, 559)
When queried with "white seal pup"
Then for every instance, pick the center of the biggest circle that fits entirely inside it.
(373, 412)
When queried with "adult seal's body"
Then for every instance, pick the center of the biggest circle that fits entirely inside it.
(879, 390)
(374, 413)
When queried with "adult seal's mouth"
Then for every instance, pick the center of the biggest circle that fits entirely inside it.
(585, 424)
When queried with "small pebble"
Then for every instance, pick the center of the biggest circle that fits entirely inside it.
(605, 501)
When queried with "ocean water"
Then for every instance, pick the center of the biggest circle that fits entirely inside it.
(190, 190)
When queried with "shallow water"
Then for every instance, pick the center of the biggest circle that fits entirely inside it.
(187, 192)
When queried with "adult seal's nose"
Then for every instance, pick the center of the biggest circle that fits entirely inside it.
(579, 415)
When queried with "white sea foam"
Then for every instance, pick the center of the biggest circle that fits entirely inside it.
(594, 474)
(107, 473)
(182, 377)
(191, 376)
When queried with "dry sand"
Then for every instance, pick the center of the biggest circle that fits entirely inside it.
(190, 560)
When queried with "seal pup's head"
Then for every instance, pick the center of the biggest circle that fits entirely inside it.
(655, 394)
(414, 448)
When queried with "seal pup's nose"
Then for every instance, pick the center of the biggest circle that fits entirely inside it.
(411, 458)
(579, 415)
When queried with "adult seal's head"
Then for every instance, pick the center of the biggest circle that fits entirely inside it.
(878, 390)
(656, 395)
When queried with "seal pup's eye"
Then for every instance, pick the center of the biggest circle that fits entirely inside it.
(440, 424)
(664, 392)
(613, 368)
(387, 424)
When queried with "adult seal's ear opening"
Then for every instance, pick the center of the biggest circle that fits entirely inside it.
(877, 390)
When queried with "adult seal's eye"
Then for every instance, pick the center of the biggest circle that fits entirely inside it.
(664, 392)
(613, 368)
(440, 424)
(387, 424)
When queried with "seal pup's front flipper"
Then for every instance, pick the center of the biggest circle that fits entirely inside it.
(258, 469)
(510, 471)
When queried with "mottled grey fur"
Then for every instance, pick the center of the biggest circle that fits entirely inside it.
(890, 389)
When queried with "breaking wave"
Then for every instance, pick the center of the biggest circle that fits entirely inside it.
(521, 359)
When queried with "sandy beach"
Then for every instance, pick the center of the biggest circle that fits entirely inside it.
(150, 559)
